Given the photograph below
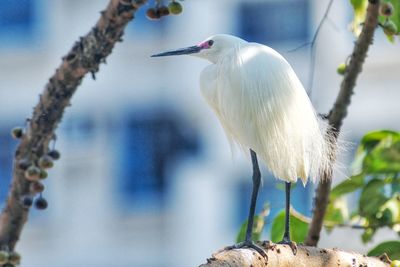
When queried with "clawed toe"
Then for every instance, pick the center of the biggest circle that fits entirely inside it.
(290, 243)
(249, 244)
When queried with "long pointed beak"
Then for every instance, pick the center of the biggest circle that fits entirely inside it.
(181, 51)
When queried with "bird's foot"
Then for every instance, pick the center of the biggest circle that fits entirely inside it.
(249, 244)
(290, 243)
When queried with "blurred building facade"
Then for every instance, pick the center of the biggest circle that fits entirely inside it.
(147, 177)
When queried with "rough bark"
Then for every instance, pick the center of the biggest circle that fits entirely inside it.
(282, 256)
(84, 57)
(339, 112)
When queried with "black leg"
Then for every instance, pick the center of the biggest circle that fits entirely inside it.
(248, 242)
(286, 235)
(254, 194)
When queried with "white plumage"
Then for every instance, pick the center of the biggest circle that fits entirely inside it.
(262, 105)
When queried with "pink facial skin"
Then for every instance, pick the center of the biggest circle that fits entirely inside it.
(204, 45)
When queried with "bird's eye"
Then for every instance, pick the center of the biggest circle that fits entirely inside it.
(210, 42)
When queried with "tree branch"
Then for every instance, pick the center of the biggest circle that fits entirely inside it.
(85, 56)
(339, 112)
(282, 256)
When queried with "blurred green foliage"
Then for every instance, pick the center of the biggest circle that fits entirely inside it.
(258, 226)
(389, 24)
(391, 248)
(298, 227)
(374, 188)
(376, 184)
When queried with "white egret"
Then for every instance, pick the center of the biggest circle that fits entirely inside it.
(263, 107)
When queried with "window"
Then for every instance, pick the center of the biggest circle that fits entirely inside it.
(79, 129)
(149, 145)
(19, 21)
(274, 21)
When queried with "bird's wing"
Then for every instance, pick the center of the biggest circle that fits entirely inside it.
(262, 105)
(209, 89)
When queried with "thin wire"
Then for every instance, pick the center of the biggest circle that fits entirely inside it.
(299, 47)
(313, 50)
(333, 24)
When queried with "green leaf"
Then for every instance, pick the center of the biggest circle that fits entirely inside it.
(336, 213)
(347, 186)
(396, 14)
(394, 18)
(371, 139)
(372, 198)
(357, 164)
(384, 158)
(367, 235)
(390, 38)
(258, 227)
(390, 211)
(360, 10)
(368, 157)
(357, 4)
(391, 248)
(278, 227)
(298, 228)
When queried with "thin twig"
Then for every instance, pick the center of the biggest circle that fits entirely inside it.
(339, 112)
(361, 227)
(316, 33)
(313, 49)
(327, 223)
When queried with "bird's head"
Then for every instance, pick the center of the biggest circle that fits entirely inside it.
(212, 49)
